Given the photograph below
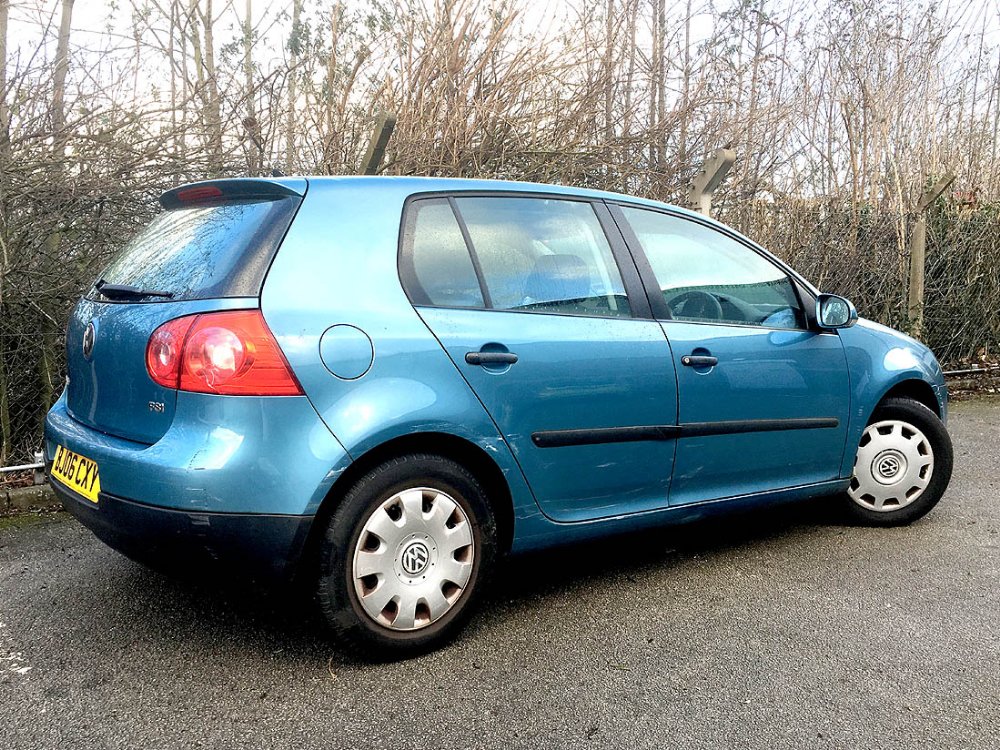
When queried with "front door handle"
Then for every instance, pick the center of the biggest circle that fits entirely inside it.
(699, 360)
(491, 358)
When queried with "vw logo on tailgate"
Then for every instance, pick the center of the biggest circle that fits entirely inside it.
(88, 340)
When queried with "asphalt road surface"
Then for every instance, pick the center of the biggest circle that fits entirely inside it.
(782, 630)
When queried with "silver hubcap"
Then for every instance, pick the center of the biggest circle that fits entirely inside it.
(413, 559)
(894, 466)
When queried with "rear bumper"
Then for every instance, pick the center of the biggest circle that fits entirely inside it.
(221, 454)
(257, 545)
(233, 480)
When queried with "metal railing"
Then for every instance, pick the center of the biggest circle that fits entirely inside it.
(38, 467)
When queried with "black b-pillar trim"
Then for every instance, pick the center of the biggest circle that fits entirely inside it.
(596, 436)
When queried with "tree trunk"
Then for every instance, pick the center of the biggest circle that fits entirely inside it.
(294, 46)
(685, 113)
(59, 74)
(214, 109)
(4, 117)
(48, 335)
(171, 40)
(609, 74)
(661, 86)
(5, 430)
(330, 139)
(632, 9)
(255, 147)
(208, 83)
(654, 70)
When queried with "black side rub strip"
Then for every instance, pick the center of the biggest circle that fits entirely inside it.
(700, 429)
(561, 438)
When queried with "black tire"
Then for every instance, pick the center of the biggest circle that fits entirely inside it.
(916, 414)
(352, 627)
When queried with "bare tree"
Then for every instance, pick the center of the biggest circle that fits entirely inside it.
(839, 112)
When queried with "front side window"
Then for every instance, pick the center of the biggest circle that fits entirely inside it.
(543, 255)
(707, 277)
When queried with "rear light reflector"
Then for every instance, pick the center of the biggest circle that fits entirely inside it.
(230, 352)
(163, 351)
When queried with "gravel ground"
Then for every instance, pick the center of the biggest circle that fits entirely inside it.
(781, 630)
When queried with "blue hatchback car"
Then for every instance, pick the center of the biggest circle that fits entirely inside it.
(383, 384)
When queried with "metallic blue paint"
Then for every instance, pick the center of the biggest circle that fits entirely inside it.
(338, 267)
(539, 534)
(346, 351)
(879, 359)
(762, 374)
(220, 454)
(110, 391)
(412, 386)
(573, 373)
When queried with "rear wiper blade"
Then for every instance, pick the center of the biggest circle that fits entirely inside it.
(124, 291)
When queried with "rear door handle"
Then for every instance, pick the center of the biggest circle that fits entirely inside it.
(699, 360)
(491, 358)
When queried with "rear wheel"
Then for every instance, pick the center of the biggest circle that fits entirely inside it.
(404, 557)
(903, 465)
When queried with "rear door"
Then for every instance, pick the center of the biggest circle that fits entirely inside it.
(540, 308)
(763, 399)
(208, 250)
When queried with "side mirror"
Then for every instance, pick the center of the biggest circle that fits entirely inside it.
(835, 312)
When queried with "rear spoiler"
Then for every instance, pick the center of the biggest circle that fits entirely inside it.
(213, 192)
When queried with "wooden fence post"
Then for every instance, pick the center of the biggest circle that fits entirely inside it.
(380, 138)
(918, 254)
(708, 179)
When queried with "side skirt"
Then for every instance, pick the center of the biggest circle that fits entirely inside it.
(540, 532)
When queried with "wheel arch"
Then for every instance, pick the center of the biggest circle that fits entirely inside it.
(458, 449)
(915, 389)
(912, 385)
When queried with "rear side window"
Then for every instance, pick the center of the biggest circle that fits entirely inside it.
(206, 251)
(436, 261)
(526, 254)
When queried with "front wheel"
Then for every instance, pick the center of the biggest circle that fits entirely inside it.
(903, 465)
(405, 556)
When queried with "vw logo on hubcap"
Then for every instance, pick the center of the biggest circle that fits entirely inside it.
(88, 340)
(888, 467)
(414, 558)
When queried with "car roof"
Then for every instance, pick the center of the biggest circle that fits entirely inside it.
(298, 185)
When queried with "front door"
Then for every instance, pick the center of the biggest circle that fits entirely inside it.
(545, 321)
(763, 402)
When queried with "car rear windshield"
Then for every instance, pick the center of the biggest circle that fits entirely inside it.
(203, 252)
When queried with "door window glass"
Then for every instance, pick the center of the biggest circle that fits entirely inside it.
(709, 277)
(435, 263)
(544, 255)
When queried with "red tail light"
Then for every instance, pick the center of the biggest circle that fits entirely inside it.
(230, 352)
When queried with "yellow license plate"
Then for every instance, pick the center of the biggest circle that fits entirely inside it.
(76, 472)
